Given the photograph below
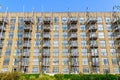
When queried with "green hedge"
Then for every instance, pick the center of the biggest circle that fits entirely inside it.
(21, 76)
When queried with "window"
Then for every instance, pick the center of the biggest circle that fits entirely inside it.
(35, 61)
(19, 43)
(106, 70)
(85, 70)
(64, 27)
(4, 69)
(100, 27)
(65, 43)
(65, 61)
(6, 61)
(113, 52)
(102, 43)
(56, 43)
(82, 20)
(55, 61)
(99, 19)
(12, 27)
(37, 43)
(64, 20)
(20, 27)
(38, 19)
(9, 43)
(109, 27)
(13, 20)
(85, 61)
(38, 27)
(56, 27)
(103, 52)
(105, 61)
(55, 69)
(20, 35)
(82, 27)
(116, 70)
(107, 19)
(55, 52)
(17, 52)
(64, 34)
(56, 19)
(56, 35)
(36, 52)
(111, 43)
(37, 35)
(20, 20)
(83, 35)
(35, 70)
(65, 52)
(7, 53)
(101, 35)
(114, 61)
(83, 43)
(84, 52)
(16, 61)
(65, 70)
(10, 35)
(110, 35)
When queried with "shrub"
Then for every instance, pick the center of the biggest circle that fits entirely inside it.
(45, 77)
(59, 76)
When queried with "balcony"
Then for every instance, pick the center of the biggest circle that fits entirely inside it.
(26, 45)
(46, 36)
(73, 37)
(46, 45)
(92, 29)
(73, 28)
(28, 21)
(2, 29)
(1, 45)
(95, 64)
(93, 45)
(118, 37)
(94, 54)
(46, 54)
(46, 29)
(72, 21)
(91, 21)
(75, 64)
(116, 21)
(27, 28)
(24, 64)
(73, 46)
(47, 21)
(25, 54)
(27, 37)
(74, 54)
(3, 21)
(2, 37)
(93, 37)
(45, 65)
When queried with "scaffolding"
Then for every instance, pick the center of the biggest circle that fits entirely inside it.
(92, 42)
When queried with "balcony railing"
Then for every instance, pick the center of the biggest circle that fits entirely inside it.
(46, 64)
(2, 37)
(47, 20)
(27, 37)
(73, 45)
(27, 28)
(92, 28)
(46, 36)
(93, 37)
(73, 21)
(46, 54)
(74, 54)
(3, 20)
(118, 37)
(25, 54)
(93, 45)
(2, 29)
(46, 28)
(73, 28)
(95, 64)
(73, 36)
(1, 45)
(75, 64)
(28, 20)
(24, 64)
(26, 45)
(94, 54)
(46, 45)
(91, 21)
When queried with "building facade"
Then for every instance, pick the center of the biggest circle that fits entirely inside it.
(68, 42)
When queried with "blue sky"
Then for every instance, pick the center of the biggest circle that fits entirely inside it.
(58, 5)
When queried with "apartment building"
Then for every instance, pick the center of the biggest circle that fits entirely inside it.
(68, 42)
